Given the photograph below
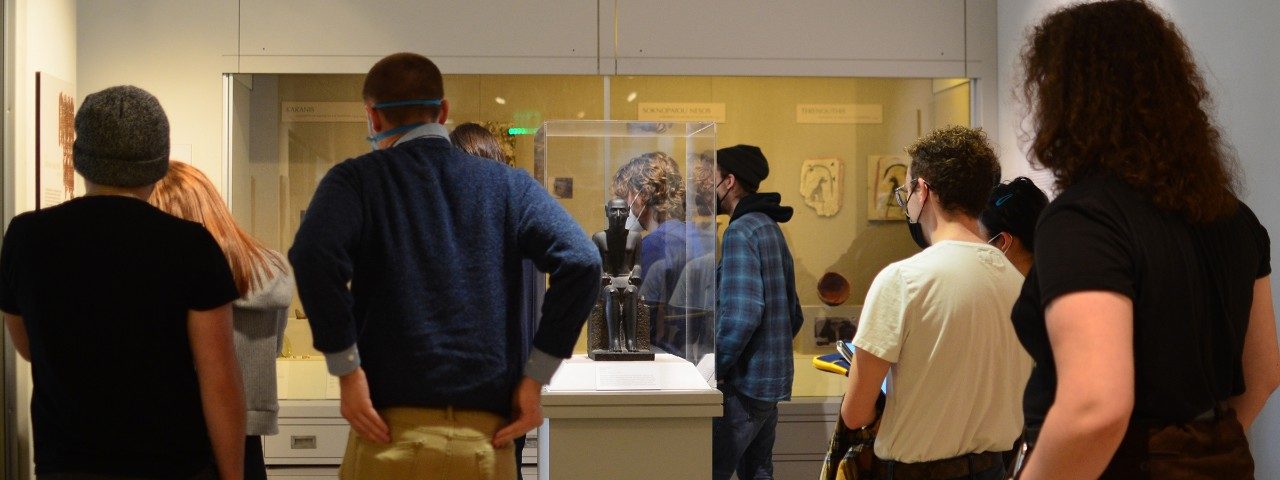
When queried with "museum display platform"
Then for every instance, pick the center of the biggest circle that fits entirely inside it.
(608, 419)
(313, 433)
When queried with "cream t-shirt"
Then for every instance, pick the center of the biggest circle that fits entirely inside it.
(941, 318)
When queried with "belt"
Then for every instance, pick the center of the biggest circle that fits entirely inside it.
(960, 466)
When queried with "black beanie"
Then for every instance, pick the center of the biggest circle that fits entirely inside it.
(122, 138)
(746, 163)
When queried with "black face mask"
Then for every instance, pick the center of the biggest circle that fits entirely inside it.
(917, 231)
(720, 199)
(917, 234)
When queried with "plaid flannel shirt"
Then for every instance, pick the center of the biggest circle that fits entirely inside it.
(757, 312)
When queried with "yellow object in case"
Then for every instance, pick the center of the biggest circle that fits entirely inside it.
(832, 362)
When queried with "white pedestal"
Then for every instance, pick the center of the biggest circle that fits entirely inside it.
(591, 434)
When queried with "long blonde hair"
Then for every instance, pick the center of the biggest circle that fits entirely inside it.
(187, 194)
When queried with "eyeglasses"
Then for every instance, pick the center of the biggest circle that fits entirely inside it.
(898, 197)
(902, 195)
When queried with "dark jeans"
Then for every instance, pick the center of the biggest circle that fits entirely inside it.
(742, 439)
(255, 467)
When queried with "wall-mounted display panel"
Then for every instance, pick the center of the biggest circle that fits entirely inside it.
(562, 33)
(832, 37)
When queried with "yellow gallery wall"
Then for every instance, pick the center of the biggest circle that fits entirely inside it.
(762, 111)
(758, 110)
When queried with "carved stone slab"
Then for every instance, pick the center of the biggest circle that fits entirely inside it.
(822, 185)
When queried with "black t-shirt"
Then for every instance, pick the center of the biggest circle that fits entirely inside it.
(103, 284)
(1100, 234)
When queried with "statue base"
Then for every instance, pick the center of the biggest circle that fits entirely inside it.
(598, 338)
(616, 356)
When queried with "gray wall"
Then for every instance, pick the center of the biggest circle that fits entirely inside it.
(1237, 46)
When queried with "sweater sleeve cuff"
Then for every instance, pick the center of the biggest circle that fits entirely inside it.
(344, 362)
(541, 366)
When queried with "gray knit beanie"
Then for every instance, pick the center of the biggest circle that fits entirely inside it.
(122, 138)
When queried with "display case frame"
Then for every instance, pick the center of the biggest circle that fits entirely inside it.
(664, 171)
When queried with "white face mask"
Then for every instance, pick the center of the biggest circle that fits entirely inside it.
(1007, 243)
(633, 220)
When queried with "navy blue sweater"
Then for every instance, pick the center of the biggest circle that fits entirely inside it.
(431, 240)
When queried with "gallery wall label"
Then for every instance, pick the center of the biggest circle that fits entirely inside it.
(56, 178)
(839, 113)
(681, 112)
(299, 112)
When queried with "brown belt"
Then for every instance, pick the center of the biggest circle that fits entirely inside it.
(963, 465)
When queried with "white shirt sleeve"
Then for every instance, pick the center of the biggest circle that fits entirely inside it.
(882, 324)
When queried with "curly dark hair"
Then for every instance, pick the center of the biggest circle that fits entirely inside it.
(655, 178)
(1111, 88)
(1015, 207)
(959, 165)
(703, 182)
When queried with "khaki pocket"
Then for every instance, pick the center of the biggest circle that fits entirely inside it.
(376, 461)
(496, 464)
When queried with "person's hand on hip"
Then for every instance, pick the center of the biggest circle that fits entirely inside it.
(526, 406)
(357, 408)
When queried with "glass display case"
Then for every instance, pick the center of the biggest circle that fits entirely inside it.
(835, 150)
(662, 172)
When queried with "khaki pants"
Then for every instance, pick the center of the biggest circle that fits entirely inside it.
(431, 443)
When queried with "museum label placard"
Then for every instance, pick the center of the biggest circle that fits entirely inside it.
(302, 112)
(839, 113)
(681, 112)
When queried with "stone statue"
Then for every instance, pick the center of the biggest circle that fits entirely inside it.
(617, 307)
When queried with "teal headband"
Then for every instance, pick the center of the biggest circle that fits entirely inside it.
(406, 103)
